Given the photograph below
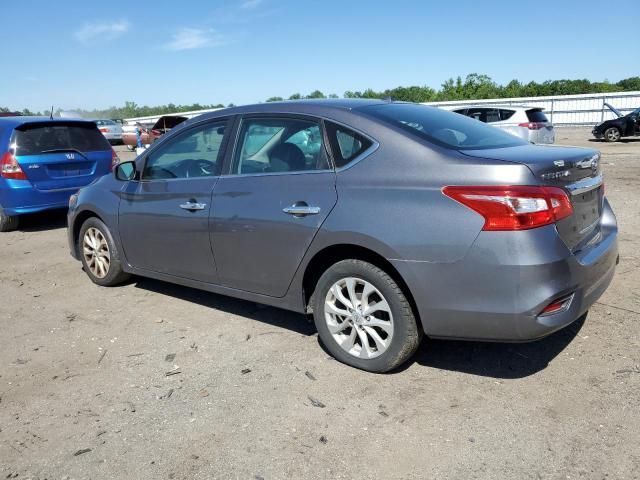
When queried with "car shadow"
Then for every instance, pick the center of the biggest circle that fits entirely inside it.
(622, 140)
(276, 317)
(42, 221)
(485, 359)
(497, 360)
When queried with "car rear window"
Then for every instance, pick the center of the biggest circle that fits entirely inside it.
(443, 128)
(536, 116)
(39, 138)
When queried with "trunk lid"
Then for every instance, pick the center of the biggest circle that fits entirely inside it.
(61, 155)
(576, 170)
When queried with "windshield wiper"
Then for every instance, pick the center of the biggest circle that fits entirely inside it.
(71, 149)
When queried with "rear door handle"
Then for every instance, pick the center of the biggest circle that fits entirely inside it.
(192, 206)
(301, 210)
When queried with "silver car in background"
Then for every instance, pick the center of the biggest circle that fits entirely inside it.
(528, 123)
(111, 130)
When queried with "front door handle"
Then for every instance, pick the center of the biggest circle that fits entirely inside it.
(301, 209)
(193, 206)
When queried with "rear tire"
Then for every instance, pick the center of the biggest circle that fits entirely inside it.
(363, 317)
(8, 223)
(612, 134)
(99, 255)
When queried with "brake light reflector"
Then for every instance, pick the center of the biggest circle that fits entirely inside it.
(513, 207)
(104, 130)
(557, 306)
(115, 160)
(9, 167)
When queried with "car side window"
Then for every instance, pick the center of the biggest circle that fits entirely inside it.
(506, 114)
(478, 114)
(346, 144)
(279, 145)
(193, 153)
(492, 115)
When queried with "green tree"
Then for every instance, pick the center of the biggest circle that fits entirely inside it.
(295, 96)
(316, 94)
(274, 99)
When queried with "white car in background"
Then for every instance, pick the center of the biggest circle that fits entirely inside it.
(528, 123)
(111, 130)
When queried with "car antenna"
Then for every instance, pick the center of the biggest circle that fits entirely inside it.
(51, 114)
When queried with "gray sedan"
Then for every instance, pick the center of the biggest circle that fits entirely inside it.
(385, 221)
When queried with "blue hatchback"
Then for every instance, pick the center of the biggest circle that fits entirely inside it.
(43, 161)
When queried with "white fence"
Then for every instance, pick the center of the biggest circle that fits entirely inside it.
(562, 110)
(565, 110)
(154, 118)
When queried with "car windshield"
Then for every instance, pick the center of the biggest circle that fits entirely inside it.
(446, 129)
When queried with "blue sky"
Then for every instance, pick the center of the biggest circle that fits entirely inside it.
(96, 54)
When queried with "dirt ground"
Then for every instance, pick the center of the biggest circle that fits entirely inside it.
(152, 380)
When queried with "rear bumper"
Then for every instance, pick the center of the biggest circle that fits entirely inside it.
(496, 293)
(19, 197)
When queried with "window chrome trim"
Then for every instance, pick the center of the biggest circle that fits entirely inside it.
(585, 185)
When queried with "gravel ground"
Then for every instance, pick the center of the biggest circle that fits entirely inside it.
(152, 380)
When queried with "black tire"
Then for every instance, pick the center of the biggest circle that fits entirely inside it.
(8, 223)
(114, 275)
(406, 332)
(612, 134)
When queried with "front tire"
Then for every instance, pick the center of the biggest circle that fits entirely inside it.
(612, 134)
(8, 223)
(99, 254)
(363, 317)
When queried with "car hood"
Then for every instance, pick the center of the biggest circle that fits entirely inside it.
(614, 110)
(168, 121)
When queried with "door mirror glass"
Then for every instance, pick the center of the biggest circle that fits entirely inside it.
(125, 171)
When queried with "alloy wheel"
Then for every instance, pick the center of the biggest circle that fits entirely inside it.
(359, 318)
(96, 252)
(613, 135)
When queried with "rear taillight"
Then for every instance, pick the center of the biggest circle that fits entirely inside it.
(514, 207)
(9, 167)
(104, 130)
(533, 125)
(115, 160)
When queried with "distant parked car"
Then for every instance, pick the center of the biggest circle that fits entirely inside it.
(384, 220)
(10, 114)
(528, 123)
(111, 130)
(150, 133)
(623, 126)
(44, 161)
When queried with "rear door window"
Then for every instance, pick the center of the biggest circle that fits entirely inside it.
(478, 114)
(346, 144)
(493, 115)
(38, 139)
(279, 145)
(537, 116)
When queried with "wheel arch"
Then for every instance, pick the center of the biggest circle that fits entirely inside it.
(78, 221)
(330, 255)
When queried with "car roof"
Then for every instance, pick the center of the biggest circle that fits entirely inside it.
(499, 105)
(13, 122)
(311, 107)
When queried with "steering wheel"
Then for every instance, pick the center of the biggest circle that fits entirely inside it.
(195, 168)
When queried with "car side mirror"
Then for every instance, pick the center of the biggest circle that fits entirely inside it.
(125, 171)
